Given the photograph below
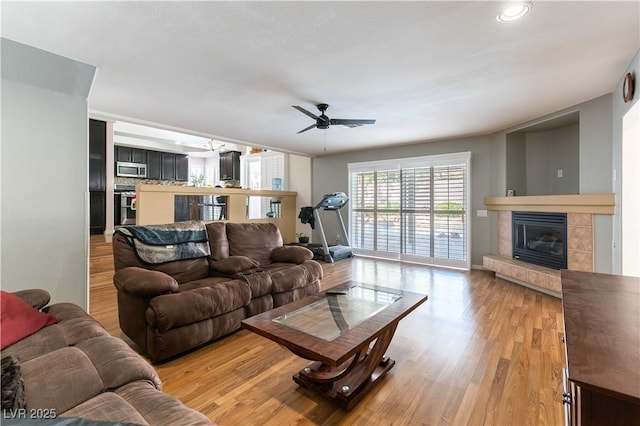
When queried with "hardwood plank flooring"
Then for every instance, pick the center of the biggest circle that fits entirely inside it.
(480, 351)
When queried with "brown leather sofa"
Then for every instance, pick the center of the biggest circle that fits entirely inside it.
(169, 308)
(75, 369)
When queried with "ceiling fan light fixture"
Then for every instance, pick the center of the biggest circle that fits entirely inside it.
(514, 11)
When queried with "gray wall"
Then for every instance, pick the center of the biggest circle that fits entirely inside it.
(516, 163)
(538, 163)
(44, 176)
(330, 174)
(534, 158)
(619, 109)
(565, 149)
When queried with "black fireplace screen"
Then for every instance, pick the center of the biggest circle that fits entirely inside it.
(540, 238)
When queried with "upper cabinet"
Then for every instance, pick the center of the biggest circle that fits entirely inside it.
(230, 165)
(154, 165)
(131, 155)
(182, 168)
(168, 166)
(160, 165)
(97, 155)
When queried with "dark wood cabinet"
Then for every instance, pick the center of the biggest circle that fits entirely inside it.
(182, 167)
(154, 165)
(230, 165)
(138, 156)
(123, 153)
(602, 322)
(168, 166)
(97, 155)
(97, 176)
(160, 165)
(130, 155)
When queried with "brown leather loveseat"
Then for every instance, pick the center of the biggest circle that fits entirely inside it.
(170, 307)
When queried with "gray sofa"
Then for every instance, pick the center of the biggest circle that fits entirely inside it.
(75, 369)
(171, 307)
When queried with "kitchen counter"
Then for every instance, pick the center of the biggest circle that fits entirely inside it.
(156, 204)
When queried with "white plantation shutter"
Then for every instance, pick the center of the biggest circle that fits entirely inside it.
(413, 209)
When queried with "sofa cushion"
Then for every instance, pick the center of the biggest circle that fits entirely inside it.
(254, 240)
(19, 320)
(181, 270)
(205, 299)
(233, 264)
(107, 407)
(291, 254)
(218, 242)
(60, 380)
(75, 327)
(293, 276)
(36, 297)
(144, 283)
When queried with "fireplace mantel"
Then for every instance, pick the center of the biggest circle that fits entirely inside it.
(576, 203)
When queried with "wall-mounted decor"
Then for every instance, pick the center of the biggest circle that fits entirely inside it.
(628, 87)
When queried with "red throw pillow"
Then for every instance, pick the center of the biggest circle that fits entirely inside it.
(19, 320)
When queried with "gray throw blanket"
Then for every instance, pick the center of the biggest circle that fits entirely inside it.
(166, 243)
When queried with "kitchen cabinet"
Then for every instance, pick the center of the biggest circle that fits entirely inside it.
(182, 167)
(154, 165)
(97, 176)
(230, 165)
(601, 323)
(168, 166)
(131, 155)
(97, 155)
(97, 211)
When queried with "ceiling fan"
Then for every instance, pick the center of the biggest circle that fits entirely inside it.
(323, 122)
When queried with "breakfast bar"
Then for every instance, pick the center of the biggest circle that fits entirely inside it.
(157, 204)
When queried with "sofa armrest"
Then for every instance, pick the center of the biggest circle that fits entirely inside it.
(143, 282)
(291, 254)
(37, 298)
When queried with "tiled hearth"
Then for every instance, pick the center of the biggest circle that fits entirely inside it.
(580, 211)
(579, 254)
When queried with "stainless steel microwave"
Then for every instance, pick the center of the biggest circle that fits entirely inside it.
(135, 170)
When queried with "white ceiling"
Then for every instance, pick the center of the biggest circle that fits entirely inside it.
(425, 70)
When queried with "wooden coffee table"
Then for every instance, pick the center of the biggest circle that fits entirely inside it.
(346, 335)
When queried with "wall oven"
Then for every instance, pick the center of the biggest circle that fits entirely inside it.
(125, 204)
(135, 170)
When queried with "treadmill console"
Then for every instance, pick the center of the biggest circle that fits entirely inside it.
(334, 201)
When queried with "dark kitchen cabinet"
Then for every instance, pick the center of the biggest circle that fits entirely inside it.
(138, 156)
(182, 167)
(154, 165)
(131, 155)
(97, 211)
(168, 166)
(97, 176)
(123, 153)
(97, 155)
(230, 165)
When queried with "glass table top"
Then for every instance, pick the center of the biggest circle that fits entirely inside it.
(335, 314)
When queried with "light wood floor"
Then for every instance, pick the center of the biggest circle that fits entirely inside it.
(480, 351)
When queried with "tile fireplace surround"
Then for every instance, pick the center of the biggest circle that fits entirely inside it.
(580, 210)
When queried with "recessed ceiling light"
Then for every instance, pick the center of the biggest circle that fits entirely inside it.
(513, 11)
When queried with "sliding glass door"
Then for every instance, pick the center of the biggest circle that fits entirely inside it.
(413, 209)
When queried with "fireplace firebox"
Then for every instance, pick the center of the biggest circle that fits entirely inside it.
(540, 238)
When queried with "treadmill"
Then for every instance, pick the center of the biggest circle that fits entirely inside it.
(331, 202)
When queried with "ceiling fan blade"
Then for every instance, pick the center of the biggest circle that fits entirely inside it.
(304, 111)
(308, 128)
(350, 122)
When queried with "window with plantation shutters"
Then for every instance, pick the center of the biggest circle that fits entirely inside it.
(413, 209)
